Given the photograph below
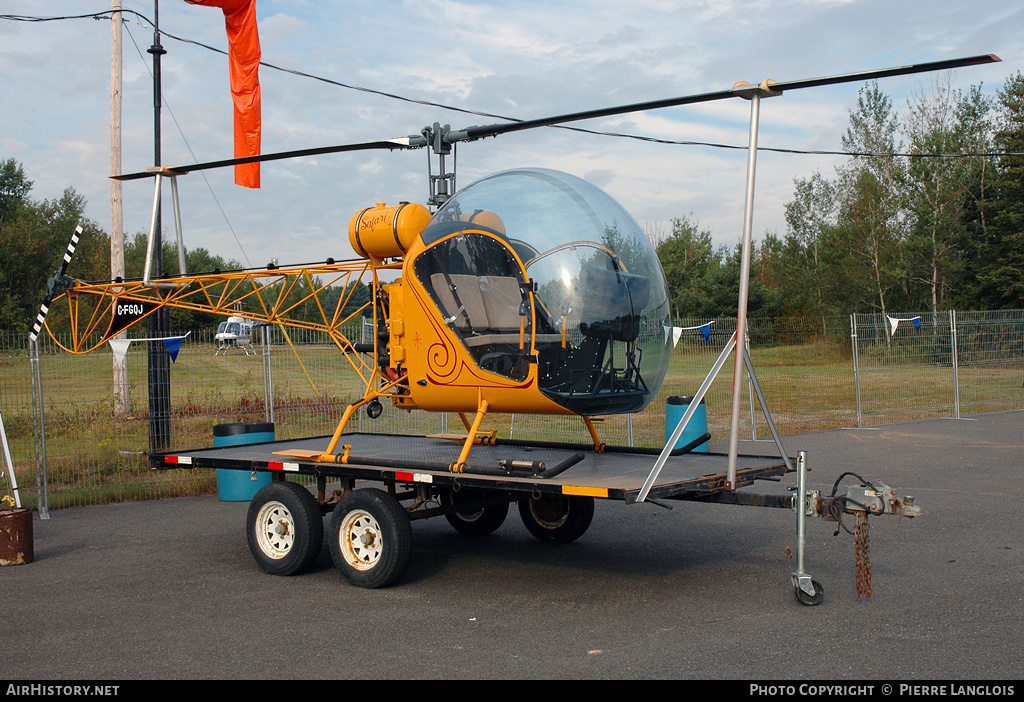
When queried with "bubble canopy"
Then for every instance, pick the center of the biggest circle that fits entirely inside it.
(600, 298)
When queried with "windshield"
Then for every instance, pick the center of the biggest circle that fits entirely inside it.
(599, 288)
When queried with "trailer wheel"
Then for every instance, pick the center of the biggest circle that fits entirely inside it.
(810, 600)
(285, 528)
(560, 518)
(480, 522)
(370, 538)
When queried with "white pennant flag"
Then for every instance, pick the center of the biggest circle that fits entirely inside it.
(120, 349)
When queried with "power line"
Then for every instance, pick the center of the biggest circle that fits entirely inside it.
(427, 103)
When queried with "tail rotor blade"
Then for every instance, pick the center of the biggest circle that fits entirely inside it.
(54, 283)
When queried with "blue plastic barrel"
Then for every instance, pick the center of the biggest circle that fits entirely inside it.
(241, 485)
(675, 408)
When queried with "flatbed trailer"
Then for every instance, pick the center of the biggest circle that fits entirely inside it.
(554, 486)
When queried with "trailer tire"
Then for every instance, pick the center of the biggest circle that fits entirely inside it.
(483, 521)
(559, 518)
(285, 528)
(370, 538)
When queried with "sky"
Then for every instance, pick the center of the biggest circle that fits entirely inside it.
(521, 59)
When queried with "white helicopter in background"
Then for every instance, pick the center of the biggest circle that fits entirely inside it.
(235, 333)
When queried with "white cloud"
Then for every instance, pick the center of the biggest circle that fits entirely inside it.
(522, 58)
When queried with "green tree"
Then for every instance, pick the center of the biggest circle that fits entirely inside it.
(14, 186)
(872, 198)
(807, 274)
(1007, 273)
(939, 189)
(686, 256)
(33, 239)
(976, 249)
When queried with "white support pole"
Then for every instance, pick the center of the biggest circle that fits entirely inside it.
(39, 431)
(750, 396)
(153, 223)
(9, 463)
(956, 365)
(856, 366)
(177, 225)
(754, 94)
(684, 420)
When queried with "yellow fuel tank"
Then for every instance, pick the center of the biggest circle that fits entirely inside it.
(485, 218)
(387, 232)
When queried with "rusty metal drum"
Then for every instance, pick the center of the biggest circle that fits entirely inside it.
(16, 543)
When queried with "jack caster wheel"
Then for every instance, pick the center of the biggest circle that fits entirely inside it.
(370, 538)
(285, 528)
(810, 600)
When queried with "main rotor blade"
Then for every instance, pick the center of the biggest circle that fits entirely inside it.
(504, 128)
(410, 142)
(472, 133)
(889, 72)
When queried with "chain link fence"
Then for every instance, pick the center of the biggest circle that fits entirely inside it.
(915, 366)
(73, 445)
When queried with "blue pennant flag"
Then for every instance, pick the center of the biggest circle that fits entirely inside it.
(173, 346)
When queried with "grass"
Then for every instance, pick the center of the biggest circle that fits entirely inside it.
(93, 456)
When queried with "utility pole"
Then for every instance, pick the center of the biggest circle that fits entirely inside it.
(122, 402)
(159, 321)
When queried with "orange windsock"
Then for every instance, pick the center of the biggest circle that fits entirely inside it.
(244, 63)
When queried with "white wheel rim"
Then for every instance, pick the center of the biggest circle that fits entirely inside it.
(275, 530)
(360, 540)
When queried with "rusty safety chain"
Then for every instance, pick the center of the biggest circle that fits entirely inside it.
(861, 544)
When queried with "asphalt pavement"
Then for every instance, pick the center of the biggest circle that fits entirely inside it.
(167, 590)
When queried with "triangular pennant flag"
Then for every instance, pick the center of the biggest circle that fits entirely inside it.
(894, 322)
(677, 332)
(120, 348)
(173, 346)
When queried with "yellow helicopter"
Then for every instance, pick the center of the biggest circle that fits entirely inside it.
(529, 291)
